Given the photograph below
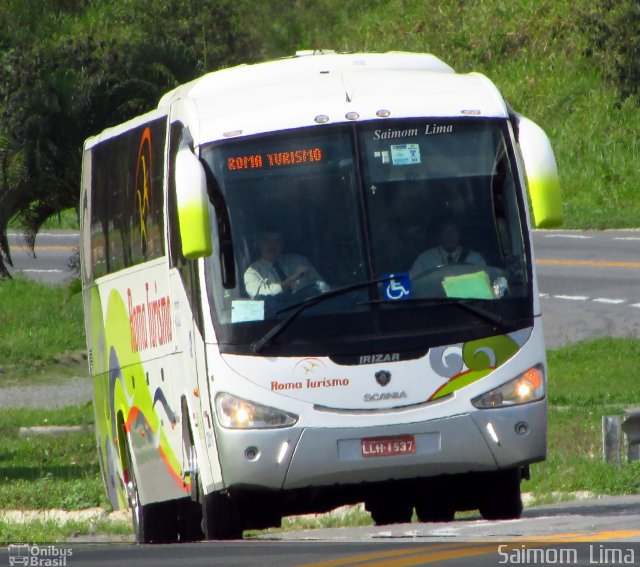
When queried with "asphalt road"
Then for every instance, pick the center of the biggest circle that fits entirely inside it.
(596, 532)
(53, 252)
(589, 283)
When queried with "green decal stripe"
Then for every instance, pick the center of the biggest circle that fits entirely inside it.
(460, 381)
(481, 357)
(131, 394)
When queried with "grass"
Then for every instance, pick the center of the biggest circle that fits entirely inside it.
(587, 380)
(44, 472)
(51, 472)
(48, 531)
(65, 220)
(544, 58)
(37, 322)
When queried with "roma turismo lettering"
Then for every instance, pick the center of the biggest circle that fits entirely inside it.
(309, 384)
(149, 321)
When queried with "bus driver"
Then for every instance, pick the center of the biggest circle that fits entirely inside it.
(448, 251)
(275, 273)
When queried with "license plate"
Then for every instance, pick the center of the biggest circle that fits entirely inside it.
(388, 446)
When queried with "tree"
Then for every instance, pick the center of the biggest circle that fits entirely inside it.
(108, 62)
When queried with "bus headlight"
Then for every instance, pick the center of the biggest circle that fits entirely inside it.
(236, 413)
(527, 387)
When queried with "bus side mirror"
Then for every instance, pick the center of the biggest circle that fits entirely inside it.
(193, 205)
(542, 174)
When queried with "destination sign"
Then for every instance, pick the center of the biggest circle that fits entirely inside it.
(275, 159)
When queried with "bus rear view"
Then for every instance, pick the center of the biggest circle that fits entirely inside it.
(362, 290)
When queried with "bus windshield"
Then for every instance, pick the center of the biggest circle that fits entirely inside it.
(408, 233)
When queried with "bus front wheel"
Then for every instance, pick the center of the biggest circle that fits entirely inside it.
(391, 508)
(501, 496)
(221, 518)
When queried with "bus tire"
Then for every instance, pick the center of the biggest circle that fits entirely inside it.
(389, 510)
(434, 503)
(189, 520)
(152, 523)
(190, 508)
(221, 517)
(502, 499)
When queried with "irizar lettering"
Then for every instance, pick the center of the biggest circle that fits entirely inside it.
(372, 358)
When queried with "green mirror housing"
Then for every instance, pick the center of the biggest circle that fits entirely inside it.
(542, 174)
(193, 205)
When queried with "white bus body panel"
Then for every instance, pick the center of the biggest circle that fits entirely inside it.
(324, 446)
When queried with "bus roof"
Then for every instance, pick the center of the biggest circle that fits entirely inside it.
(294, 92)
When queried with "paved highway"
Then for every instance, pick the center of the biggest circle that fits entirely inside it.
(589, 283)
(601, 532)
(53, 252)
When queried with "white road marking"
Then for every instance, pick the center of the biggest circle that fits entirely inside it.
(49, 234)
(575, 236)
(627, 238)
(41, 271)
(604, 300)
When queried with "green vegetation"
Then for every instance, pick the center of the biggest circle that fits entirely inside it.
(587, 380)
(43, 472)
(38, 322)
(48, 531)
(70, 68)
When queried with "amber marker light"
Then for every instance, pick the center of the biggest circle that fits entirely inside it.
(523, 389)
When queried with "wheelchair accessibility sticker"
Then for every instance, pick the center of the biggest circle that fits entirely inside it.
(397, 287)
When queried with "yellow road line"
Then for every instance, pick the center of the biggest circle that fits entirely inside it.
(590, 263)
(43, 248)
(441, 552)
(394, 555)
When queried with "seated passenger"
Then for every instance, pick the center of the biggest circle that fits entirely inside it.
(275, 273)
(448, 251)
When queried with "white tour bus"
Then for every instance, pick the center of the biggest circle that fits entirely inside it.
(309, 283)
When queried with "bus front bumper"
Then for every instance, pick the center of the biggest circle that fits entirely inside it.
(292, 458)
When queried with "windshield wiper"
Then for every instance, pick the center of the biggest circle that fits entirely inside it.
(492, 318)
(298, 308)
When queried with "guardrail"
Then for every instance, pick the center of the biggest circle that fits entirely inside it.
(621, 435)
